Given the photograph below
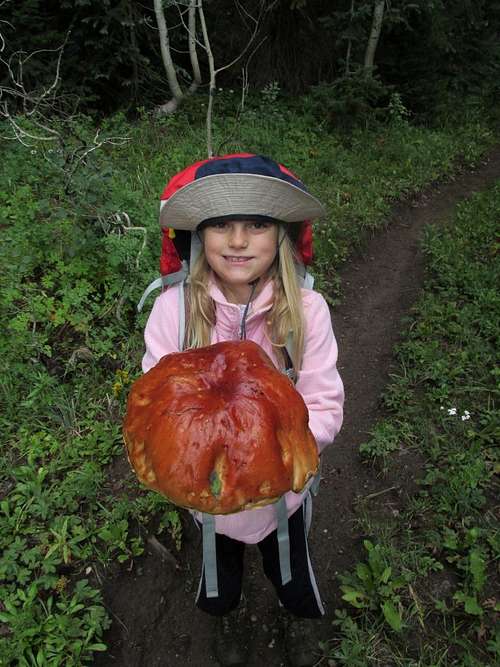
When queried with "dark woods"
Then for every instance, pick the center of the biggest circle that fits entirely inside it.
(425, 50)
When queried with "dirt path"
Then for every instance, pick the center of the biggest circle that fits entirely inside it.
(155, 620)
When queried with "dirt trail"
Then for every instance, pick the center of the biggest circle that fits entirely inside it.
(155, 620)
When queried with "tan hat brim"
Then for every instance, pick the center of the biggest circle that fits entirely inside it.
(237, 194)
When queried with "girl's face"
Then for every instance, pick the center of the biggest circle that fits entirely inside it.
(240, 252)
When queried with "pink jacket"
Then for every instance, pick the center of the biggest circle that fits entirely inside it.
(318, 382)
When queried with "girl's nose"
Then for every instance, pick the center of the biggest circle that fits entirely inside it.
(238, 236)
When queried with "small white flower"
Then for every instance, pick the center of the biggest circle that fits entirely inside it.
(442, 407)
(452, 411)
(33, 152)
(466, 416)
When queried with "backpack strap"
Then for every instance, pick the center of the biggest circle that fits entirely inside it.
(164, 281)
(283, 540)
(306, 280)
(182, 315)
(289, 370)
(209, 555)
(314, 488)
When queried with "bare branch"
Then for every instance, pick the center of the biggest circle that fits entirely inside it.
(262, 10)
(20, 131)
(245, 82)
(58, 68)
(2, 39)
(213, 75)
(32, 102)
(97, 143)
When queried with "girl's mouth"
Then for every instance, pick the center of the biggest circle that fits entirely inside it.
(235, 259)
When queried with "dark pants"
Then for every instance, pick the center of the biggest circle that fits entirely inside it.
(300, 596)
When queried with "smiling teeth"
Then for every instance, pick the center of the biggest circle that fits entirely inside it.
(237, 259)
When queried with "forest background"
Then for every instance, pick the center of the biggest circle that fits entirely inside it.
(369, 101)
(427, 49)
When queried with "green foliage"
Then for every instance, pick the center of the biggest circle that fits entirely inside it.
(351, 646)
(442, 403)
(67, 296)
(350, 101)
(373, 586)
(59, 630)
(80, 241)
(385, 439)
(435, 54)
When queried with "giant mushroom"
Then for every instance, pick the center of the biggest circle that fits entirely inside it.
(219, 429)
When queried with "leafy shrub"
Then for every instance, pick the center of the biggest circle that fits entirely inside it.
(80, 242)
(443, 403)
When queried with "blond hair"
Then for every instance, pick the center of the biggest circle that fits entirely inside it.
(285, 320)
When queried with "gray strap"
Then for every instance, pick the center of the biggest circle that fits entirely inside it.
(156, 284)
(290, 370)
(306, 280)
(316, 480)
(210, 556)
(182, 316)
(195, 248)
(283, 541)
(164, 281)
(307, 508)
(289, 344)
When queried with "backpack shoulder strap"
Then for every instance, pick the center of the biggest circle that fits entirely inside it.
(283, 540)
(182, 316)
(164, 281)
(306, 280)
(209, 556)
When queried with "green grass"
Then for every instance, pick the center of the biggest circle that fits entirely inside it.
(79, 242)
(443, 550)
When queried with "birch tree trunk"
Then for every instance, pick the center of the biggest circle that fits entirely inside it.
(193, 55)
(173, 83)
(371, 47)
(349, 45)
(213, 74)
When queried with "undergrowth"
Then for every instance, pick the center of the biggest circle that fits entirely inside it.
(429, 591)
(80, 240)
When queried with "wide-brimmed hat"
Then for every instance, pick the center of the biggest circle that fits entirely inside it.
(235, 186)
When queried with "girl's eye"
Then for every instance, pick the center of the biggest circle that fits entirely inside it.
(260, 225)
(218, 226)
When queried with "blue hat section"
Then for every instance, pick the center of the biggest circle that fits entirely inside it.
(257, 164)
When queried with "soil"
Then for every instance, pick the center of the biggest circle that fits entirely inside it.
(151, 600)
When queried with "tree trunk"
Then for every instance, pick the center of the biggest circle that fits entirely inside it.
(135, 52)
(371, 47)
(349, 44)
(192, 47)
(173, 84)
(211, 65)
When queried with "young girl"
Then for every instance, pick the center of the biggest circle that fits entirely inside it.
(241, 219)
